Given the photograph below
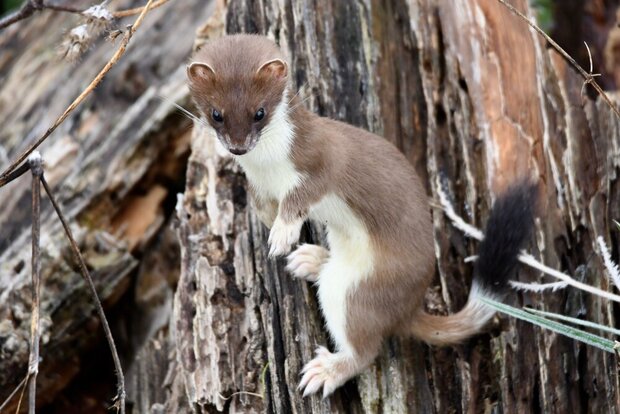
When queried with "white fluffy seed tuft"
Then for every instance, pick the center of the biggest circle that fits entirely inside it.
(76, 42)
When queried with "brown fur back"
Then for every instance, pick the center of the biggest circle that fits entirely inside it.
(380, 185)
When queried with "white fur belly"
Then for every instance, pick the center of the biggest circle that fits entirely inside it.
(350, 261)
(346, 233)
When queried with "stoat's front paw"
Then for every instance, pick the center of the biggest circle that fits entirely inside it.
(306, 261)
(282, 237)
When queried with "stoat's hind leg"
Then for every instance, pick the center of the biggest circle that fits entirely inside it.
(331, 370)
(306, 261)
(357, 339)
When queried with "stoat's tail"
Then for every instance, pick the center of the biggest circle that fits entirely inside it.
(509, 226)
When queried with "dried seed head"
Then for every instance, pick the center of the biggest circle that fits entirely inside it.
(76, 42)
(99, 12)
(98, 17)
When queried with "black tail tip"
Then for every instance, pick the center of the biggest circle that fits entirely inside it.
(509, 227)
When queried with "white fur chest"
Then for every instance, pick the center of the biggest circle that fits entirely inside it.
(271, 180)
(268, 166)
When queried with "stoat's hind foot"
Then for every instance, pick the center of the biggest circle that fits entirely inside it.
(306, 261)
(328, 371)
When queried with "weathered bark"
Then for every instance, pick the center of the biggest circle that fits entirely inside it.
(469, 93)
(115, 166)
(465, 89)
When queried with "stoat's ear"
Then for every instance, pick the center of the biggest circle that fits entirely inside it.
(276, 68)
(197, 71)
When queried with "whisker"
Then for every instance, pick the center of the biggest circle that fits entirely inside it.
(267, 130)
(186, 112)
(182, 110)
(292, 108)
(270, 128)
(298, 92)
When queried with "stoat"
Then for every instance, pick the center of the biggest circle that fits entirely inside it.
(381, 259)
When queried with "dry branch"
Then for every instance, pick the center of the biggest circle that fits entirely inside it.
(34, 164)
(120, 387)
(19, 386)
(137, 10)
(587, 76)
(36, 167)
(30, 7)
(24, 12)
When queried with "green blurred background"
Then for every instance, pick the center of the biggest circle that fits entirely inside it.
(6, 5)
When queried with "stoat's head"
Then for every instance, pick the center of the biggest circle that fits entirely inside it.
(237, 82)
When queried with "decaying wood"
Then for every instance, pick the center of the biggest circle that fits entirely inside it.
(465, 89)
(119, 149)
(469, 92)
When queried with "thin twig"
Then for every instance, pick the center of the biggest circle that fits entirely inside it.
(30, 7)
(470, 259)
(589, 77)
(590, 58)
(524, 258)
(253, 394)
(137, 10)
(21, 395)
(12, 394)
(592, 75)
(61, 8)
(24, 12)
(113, 60)
(18, 172)
(35, 326)
(529, 260)
(537, 287)
(457, 221)
(93, 291)
(612, 268)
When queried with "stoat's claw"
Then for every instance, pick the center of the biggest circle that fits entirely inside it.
(322, 372)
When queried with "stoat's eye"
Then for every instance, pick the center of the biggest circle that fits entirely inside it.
(260, 114)
(217, 116)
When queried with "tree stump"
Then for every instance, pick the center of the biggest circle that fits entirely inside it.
(471, 95)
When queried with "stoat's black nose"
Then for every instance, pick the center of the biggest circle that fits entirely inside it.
(238, 151)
